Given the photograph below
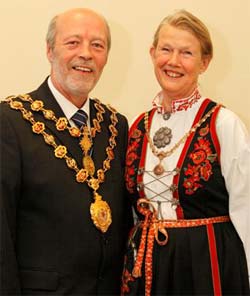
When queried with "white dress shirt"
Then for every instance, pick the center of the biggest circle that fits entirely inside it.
(69, 109)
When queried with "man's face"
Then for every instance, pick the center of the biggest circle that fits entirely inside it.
(79, 54)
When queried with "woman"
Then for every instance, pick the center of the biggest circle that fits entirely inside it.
(187, 178)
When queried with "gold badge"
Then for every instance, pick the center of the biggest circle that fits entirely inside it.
(16, 105)
(61, 124)
(38, 127)
(36, 105)
(85, 142)
(89, 165)
(82, 176)
(48, 114)
(49, 139)
(60, 151)
(101, 175)
(74, 132)
(100, 213)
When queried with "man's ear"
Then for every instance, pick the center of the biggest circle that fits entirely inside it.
(49, 53)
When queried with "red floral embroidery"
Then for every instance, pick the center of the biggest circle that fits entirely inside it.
(130, 183)
(201, 168)
(184, 104)
(136, 134)
(206, 170)
(198, 157)
(131, 156)
(130, 175)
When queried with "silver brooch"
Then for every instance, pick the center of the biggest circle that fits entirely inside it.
(162, 137)
(166, 115)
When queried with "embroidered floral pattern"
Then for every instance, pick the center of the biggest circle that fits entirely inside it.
(177, 105)
(200, 168)
(132, 155)
(184, 104)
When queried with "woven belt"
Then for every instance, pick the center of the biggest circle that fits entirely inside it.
(187, 222)
(151, 227)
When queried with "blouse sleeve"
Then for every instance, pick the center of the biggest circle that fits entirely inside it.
(235, 163)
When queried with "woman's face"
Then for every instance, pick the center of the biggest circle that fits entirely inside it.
(178, 62)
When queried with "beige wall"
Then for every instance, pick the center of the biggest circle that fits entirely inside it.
(128, 82)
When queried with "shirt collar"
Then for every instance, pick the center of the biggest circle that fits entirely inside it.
(177, 105)
(68, 108)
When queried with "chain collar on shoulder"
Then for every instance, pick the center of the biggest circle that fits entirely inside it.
(100, 210)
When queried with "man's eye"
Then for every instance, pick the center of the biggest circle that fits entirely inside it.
(97, 45)
(166, 49)
(73, 42)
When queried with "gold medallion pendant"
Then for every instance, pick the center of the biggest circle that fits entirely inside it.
(100, 213)
(158, 170)
(88, 164)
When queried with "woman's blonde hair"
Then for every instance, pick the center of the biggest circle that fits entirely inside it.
(187, 21)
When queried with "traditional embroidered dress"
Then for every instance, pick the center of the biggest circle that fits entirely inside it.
(184, 242)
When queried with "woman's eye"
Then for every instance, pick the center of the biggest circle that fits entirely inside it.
(187, 53)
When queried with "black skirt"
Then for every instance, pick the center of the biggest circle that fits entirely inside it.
(186, 265)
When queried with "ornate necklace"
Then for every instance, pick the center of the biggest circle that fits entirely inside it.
(163, 135)
(159, 168)
(99, 209)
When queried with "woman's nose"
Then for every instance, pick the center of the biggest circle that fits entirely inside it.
(173, 58)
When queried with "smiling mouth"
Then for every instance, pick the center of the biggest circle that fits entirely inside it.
(173, 74)
(83, 69)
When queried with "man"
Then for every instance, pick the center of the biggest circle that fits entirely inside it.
(64, 218)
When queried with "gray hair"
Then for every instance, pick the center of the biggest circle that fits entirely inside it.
(51, 33)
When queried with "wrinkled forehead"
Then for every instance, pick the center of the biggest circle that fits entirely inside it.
(181, 28)
(79, 23)
(177, 33)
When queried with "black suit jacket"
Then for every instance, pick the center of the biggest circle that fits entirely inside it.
(49, 245)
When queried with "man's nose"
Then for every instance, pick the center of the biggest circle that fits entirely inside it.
(85, 51)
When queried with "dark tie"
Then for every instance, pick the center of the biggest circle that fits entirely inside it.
(80, 118)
